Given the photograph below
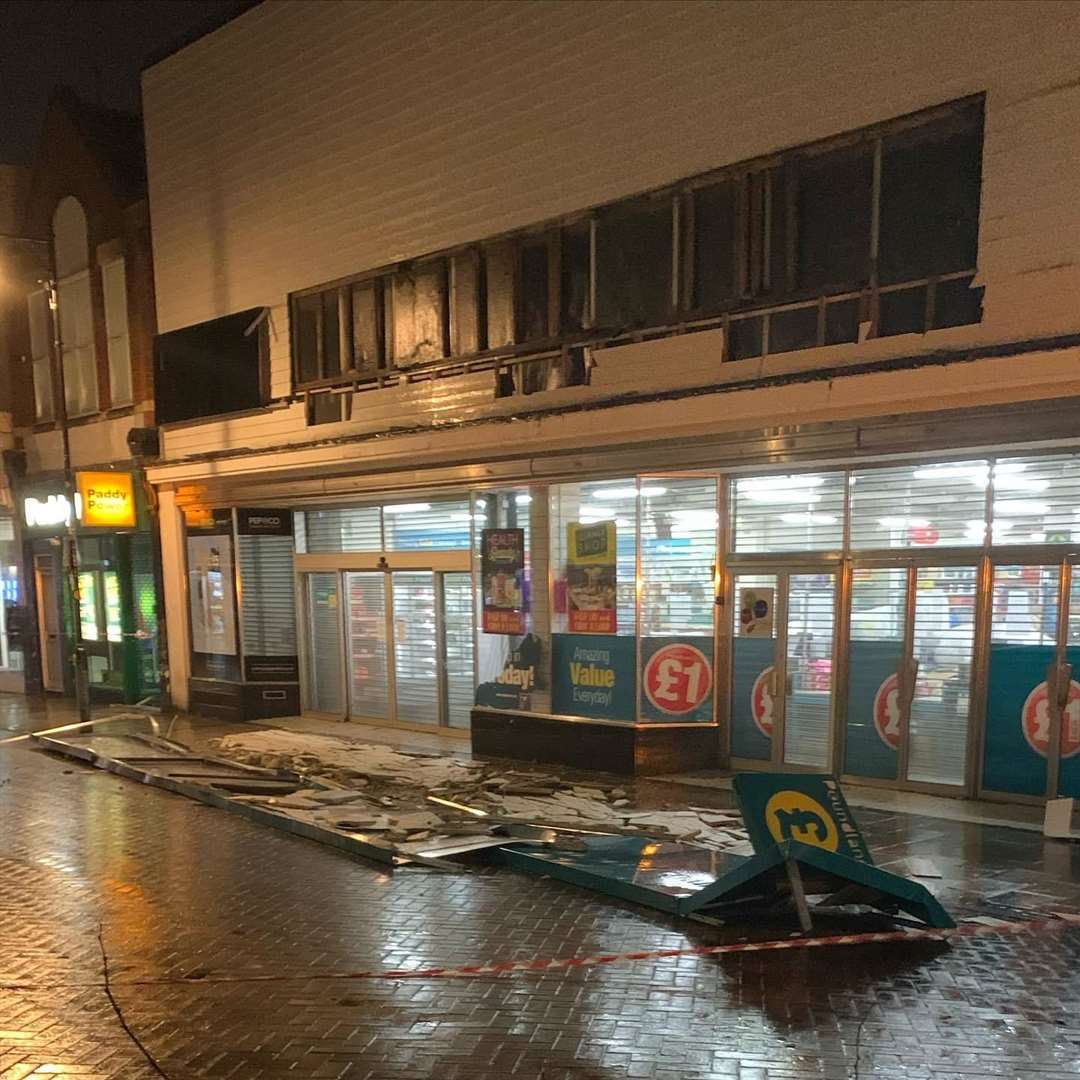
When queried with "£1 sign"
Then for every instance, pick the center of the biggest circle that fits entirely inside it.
(1035, 721)
(678, 679)
(887, 712)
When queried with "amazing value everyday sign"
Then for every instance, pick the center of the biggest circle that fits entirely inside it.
(593, 675)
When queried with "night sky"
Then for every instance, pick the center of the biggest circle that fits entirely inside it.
(98, 47)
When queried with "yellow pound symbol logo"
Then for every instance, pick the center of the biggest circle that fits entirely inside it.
(791, 815)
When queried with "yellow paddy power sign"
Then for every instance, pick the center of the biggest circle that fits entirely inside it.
(107, 499)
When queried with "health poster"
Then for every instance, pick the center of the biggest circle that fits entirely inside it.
(502, 567)
(590, 577)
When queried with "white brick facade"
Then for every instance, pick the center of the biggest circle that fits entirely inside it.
(306, 141)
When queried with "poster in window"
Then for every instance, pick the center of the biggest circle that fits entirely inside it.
(502, 568)
(756, 611)
(590, 577)
(212, 594)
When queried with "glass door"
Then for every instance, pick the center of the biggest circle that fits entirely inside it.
(1033, 700)
(416, 647)
(457, 623)
(783, 668)
(912, 642)
(325, 667)
(370, 689)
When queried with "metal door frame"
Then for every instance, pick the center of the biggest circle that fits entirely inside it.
(42, 596)
(1059, 669)
(307, 652)
(912, 562)
(782, 570)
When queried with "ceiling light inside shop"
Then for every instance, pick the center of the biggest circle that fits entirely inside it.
(778, 483)
(904, 522)
(690, 518)
(628, 492)
(1019, 483)
(523, 500)
(975, 531)
(976, 473)
(1020, 506)
(784, 497)
(808, 518)
(406, 508)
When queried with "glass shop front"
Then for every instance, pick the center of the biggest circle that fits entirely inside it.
(910, 625)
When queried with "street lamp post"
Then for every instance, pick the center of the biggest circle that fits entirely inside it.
(71, 540)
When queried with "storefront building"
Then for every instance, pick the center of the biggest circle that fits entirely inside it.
(732, 423)
(83, 224)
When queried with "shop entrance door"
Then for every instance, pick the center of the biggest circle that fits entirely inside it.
(783, 668)
(391, 645)
(911, 636)
(47, 588)
(1032, 744)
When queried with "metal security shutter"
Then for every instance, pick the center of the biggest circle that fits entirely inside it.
(1037, 500)
(369, 680)
(415, 647)
(324, 668)
(919, 506)
(268, 598)
(347, 528)
(678, 557)
(803, 512)
(458, 631)
(435, 525)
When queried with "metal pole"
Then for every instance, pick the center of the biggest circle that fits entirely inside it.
(71, 542)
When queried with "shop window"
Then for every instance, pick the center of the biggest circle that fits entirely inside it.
(1035, 500)
(634, 264)
(114, 288)
(367, 331)
(930, 187)
(715, 215)
(499, 273)
(41, 354)
(919, 506)
(801, 512)
(420, 322)
(593, 503)
(408, 526)
(345, 528)
(834, 211)
(678, 556)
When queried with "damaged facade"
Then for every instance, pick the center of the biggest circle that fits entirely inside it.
(628, 408)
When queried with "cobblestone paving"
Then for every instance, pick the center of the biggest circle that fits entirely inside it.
(183, 895)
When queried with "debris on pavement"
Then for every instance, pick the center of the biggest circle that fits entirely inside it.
(430, 805)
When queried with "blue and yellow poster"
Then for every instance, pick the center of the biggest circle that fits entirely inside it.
(593, 675)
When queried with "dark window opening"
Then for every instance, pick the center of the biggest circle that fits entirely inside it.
(633, 265)
(834, 210)
(902, 312)
(575, 261)
(841, 322)
(466, 308)
(930, 183)
(499, 267)
(367, 334)
(744, 338)
(533, 292)
(791, 330)
(956, 303)
(212, 368)
(714, 230)
(307, 317)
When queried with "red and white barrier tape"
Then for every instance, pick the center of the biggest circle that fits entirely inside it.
(1060, 921)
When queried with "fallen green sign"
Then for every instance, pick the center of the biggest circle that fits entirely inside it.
(805, 840)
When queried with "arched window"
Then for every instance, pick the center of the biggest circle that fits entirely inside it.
(72, 251)
(69, 230)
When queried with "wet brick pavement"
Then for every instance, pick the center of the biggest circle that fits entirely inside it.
(184, 894)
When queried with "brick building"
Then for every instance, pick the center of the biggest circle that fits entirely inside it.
(85, 205)
(755, 319)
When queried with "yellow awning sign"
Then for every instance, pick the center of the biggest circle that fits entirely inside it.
(107, 499)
